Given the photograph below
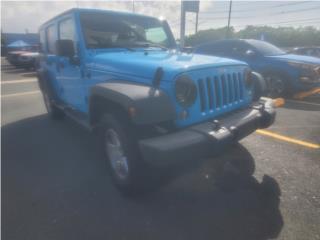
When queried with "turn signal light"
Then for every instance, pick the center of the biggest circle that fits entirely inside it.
(278, 102)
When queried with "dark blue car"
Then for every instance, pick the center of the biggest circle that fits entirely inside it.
(285, 73)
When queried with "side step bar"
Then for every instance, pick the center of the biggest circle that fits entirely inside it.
(79, 117)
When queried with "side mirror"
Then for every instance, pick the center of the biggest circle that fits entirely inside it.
(250, 53)
(65, 48)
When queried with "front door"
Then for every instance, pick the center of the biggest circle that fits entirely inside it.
(69, 70)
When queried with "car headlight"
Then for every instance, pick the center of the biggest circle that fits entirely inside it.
(248, 80)
(308, 72)
(304, 66)
(186, 91)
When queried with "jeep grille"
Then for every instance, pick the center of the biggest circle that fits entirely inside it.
(220, 91)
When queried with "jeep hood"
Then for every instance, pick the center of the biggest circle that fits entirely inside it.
(296, 58)
(144, 63)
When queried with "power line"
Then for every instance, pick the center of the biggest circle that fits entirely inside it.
(248, 17)
(286, 22)
(290, 4)
(294, 11)
(263, 9)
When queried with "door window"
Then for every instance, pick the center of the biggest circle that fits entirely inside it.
(67, 31)
(240, 49)
(51, 39)
(43, 45)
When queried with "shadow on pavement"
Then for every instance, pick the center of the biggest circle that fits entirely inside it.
(54, 186)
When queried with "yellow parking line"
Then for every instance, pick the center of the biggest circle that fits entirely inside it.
(20, 94)
(288, 139)
(303, 95)
(18, 81)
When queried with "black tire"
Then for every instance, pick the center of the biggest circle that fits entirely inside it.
(131, 180)
(53, 111)
(277, 86)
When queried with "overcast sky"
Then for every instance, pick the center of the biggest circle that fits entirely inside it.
(19, 16)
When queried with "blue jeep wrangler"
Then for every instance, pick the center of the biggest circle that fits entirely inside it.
(122, 76)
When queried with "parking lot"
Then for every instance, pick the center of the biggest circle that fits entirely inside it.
(55, 186)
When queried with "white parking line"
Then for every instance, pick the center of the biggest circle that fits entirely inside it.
(18, 81)
(20, 94)
(303, 102)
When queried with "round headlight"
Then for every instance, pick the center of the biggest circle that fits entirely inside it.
(186, 91)
(248, 81)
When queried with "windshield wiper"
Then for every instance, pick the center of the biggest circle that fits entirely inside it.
(122, 46)
(151, 44)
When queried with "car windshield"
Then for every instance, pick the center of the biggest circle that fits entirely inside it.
(266, 48)
(104, 30)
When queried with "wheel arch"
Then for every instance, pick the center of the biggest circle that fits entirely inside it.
(141, 104)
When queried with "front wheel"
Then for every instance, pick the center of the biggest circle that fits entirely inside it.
(277, 86)
(122, 154)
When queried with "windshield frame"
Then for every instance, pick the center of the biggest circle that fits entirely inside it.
(170, 38)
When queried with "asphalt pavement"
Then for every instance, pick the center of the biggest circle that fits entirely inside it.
(55, 183)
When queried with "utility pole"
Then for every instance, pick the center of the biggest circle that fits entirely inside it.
(133, 6)
(229, 18)
(197, 18)
(182, 25)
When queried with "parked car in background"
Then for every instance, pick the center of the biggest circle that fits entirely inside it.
(285, 73)
(120, 75)
(308, 51)
(13, 57)
(28, 60)
(23, 59)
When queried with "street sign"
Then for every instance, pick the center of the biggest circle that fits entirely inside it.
(191, 6)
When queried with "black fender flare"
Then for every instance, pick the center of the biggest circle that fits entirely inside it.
(144, 104)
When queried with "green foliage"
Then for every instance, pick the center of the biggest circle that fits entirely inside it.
(280, 36)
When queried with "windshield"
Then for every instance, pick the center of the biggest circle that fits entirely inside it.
(266, 48)
(104, 30)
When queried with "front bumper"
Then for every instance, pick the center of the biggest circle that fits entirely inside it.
(208, 138)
